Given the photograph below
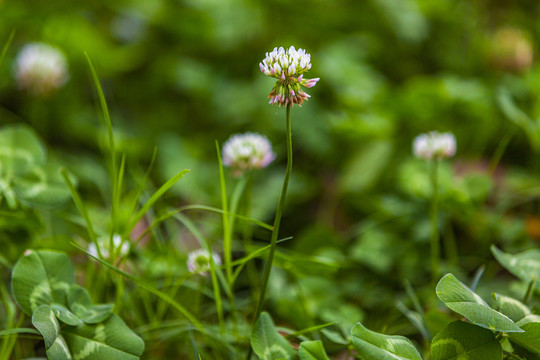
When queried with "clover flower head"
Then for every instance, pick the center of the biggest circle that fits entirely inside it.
(248, 151)
(40, 69)
(434, 145)
(199, 261)
(288, 67)
(120, 246)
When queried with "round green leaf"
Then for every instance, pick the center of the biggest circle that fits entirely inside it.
(372, 345)
(80, 303)
(266, 341)
(41, 278)
(42, 187)
(20, 148)
(66, 316)
(46, 323)
(461, 340)
(458, 297)
(111, 339)
(525, 265)
(511, 307)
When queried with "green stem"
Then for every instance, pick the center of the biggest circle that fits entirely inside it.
(277, 220)
(530, 290)
(499, 151)
(227, 237)
(435, 246)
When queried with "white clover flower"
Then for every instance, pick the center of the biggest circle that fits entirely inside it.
(434, 145)
(121, 246)
(288, 66)
(248, 151)
(40, 69)
(199, 261)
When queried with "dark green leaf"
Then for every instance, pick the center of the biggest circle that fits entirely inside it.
(461, 340)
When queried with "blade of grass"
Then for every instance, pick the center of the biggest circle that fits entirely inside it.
(155, 197)
(6, 46)
(227, 238)
(80, 206)
(213, 269)
(477, 277)
(105, 110)
(309, 330)
(149, 288)
(243, 261)
(9, 332)
(141, 185)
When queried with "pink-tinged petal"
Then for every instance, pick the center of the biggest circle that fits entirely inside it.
(292, 92)
(300, 77)
(283, 76)
(261, 67)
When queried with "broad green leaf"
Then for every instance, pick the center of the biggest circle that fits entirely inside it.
(111, 339)
(458, 297)
(312, 350)
(461, 340)
(511, 307)
(66, 316)
(20, 148)
(59, 350)
(266, 341)
(525, 265)
(41, 278)
(41, 187)
(45, 321)
(372, 345)
(530, 339)
(80, 303)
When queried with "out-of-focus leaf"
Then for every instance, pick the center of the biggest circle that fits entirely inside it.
(462, 300)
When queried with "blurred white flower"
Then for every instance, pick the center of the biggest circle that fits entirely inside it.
(434, 145)
(288, 66)
(199, 261)
(121, 246)
(248, 151)
(40, 69)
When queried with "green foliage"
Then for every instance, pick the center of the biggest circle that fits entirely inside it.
(525, 265)
(43, 284)
(25, 175)
(530, 338)
(464, 301)
(312, 350)
(461, 340)
(267, 343)
(372, 345)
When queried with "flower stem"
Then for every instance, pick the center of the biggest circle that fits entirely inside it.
(435, 246)
(277, 220)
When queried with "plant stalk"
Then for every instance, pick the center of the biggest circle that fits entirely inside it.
(277, 219)
(434, 214)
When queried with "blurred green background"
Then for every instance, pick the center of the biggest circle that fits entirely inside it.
(179, 75)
